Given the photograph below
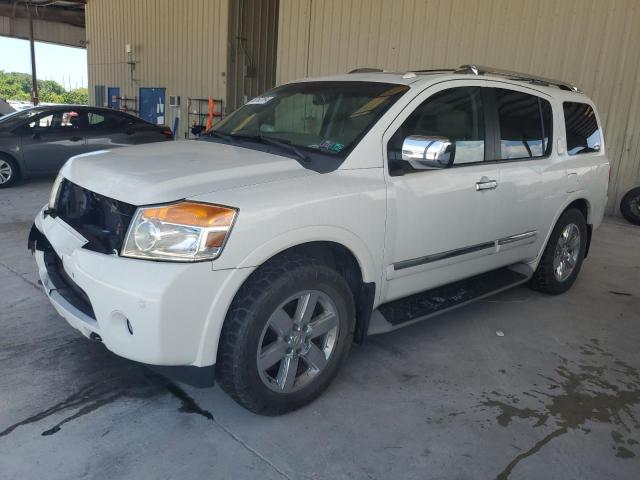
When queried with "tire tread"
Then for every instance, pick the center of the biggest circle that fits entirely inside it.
(543, 279)
(625, 207)
(231, 356)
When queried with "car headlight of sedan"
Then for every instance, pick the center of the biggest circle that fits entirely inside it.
(180, 232)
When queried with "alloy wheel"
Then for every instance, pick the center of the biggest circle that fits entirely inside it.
(566, 253)
(297, 341)
(6, 172)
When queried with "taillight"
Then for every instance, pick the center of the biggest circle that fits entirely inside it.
(166, 131)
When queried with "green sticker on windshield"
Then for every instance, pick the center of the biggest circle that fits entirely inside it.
(330, 146)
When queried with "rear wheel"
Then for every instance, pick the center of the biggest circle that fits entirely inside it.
(286, 334)
(630, 206)
(563, 255)
(8, 171)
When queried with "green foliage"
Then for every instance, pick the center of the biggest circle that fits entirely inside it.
(17, 86)
(78, 96)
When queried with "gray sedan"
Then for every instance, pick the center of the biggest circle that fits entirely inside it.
(38, 141)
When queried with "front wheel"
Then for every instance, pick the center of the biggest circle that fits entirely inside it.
(563, 255)
(630, 206)
(286, 334)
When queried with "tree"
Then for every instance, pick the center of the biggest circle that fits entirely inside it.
(12, 86)
(17, 86)
(78, 96)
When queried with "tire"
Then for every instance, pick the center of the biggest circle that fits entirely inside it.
(282, 285)
(9, 171)
(630, 206)
(548, 278)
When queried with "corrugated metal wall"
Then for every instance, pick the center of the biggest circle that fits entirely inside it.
(592, 43)
(43, 31)
(253, 35)
(177, 45)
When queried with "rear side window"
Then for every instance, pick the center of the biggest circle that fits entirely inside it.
(525, 124)
(105, 120)
(583, 132)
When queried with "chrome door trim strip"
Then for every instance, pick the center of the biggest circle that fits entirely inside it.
(518, 237)
(414, 262)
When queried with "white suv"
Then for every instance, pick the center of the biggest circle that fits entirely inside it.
(319, 213)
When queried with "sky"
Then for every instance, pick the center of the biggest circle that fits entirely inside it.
(65, 65)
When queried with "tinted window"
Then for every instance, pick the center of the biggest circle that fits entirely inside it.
(56, 121)
(20, 115)
(525, 124)
(105, 120)
(583, 132)
(456, 114)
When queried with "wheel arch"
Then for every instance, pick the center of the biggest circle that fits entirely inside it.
(580, 203)
(356, 264)
(311, 238)
(347, 264)
(10, 156)
(583, 205)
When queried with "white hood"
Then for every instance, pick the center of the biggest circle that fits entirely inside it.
(168, 171)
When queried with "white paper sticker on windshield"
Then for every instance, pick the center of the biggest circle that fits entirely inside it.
(259, 100)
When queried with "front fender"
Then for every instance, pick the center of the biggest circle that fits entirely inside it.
(317, 233)
(224, 296)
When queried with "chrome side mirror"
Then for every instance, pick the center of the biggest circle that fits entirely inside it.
(428, 153)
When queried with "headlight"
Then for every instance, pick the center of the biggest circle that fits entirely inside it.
(55, 190)
(182, 232)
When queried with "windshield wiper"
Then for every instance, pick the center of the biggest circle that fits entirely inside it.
(284, 145)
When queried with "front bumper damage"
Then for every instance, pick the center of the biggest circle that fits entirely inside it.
(149, 312)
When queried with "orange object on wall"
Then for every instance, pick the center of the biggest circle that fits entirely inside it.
(210, 117)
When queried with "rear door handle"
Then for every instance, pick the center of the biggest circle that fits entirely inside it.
(75, 139)
(486, 185)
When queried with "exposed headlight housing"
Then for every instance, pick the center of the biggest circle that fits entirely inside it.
(55, 190)
(179, 232)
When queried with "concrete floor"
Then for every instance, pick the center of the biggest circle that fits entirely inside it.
(558, 396)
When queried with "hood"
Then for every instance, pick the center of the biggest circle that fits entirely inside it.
(168, 171)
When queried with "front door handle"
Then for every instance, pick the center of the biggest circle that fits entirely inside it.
(486, 184)
(75, 139)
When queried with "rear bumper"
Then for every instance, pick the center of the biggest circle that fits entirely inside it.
(157, 313)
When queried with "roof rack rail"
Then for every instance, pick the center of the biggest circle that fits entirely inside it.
(524, 77)
(433, 70)
(366, 70)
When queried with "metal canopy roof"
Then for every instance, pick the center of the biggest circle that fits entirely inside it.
(70, 12)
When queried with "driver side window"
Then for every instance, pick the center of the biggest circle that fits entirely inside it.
(456, 114)
(56, 121)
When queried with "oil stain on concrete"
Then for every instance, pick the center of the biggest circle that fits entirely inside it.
(602, 389)
(141, 383)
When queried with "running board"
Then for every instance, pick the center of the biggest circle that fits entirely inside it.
(423, 305)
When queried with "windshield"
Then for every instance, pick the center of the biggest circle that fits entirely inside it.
(20, 115)
(312, 117)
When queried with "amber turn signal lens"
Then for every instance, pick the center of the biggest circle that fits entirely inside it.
(193, 214)
(215, 239)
